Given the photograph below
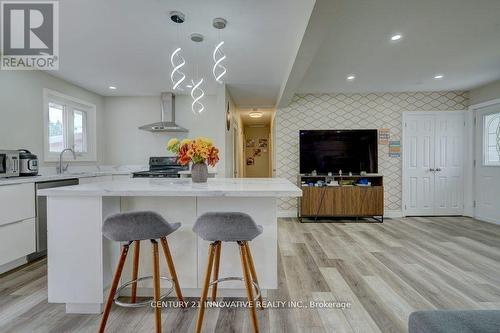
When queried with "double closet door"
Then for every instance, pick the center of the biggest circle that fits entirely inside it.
(433, 163)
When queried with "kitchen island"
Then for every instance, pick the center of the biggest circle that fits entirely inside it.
(81, 261)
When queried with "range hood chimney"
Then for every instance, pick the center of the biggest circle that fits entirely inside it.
(167, 123)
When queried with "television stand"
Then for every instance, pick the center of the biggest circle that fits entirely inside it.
(343, 200)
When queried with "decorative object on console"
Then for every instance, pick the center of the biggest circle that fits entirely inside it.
(199, 151)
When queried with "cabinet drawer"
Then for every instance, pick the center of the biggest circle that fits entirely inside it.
(17, 240)
(17, 202)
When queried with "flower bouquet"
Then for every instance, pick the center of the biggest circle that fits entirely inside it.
(200, 151)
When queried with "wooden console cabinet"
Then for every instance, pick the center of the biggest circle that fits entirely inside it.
(342, 201)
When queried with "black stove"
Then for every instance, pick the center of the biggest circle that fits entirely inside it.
(162, 167)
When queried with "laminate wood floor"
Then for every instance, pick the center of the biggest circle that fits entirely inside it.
(385, 271)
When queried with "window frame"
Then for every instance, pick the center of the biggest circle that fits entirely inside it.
(485, 141)
(71, 104)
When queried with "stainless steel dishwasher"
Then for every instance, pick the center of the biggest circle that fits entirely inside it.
(41, 215)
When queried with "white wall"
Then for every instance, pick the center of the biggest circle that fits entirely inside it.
(485, 93)
(21, 110)
(126, 144)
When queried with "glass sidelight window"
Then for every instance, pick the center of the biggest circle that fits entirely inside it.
(491, 140)
(69, 123)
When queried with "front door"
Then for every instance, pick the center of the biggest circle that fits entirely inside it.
(487, 161)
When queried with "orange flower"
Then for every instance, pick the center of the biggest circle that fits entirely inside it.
(198, 150)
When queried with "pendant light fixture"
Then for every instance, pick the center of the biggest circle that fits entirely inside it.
(197, 93)
(176, 58)
(218, 55)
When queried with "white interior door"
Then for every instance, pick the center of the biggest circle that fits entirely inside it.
(487, 161)
(449, 158)
(418, 150)
(433, 163)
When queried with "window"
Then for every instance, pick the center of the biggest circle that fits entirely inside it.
(69, 123)
(491, 139)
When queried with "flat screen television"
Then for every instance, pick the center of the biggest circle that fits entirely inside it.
(333, 150)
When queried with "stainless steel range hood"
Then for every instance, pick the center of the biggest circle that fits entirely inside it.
(167, 123)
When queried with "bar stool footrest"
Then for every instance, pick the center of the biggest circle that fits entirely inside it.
(237, 278)
(143, 303)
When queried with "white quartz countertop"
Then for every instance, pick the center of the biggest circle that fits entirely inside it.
(181, 187)
(53, 177)
(48, 174)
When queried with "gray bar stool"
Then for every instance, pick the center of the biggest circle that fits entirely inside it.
(132, 228)
(218, 227)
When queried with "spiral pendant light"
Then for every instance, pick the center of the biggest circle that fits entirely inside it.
(197, 92)
(176, 75)
(219, 70)
(218, 55)
(177, 61)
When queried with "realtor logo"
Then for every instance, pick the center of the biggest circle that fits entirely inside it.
(30, 35)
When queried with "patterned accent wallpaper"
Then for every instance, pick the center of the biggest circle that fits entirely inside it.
(354, 111)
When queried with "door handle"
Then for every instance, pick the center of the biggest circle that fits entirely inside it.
(438, 169)
(432, 170)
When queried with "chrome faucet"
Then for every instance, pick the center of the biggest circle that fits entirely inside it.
(61, 168)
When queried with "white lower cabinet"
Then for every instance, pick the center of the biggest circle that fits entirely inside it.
(17, 240)
(17, 202)
(17, 221)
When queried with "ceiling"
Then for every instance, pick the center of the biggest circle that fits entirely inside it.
(127, 44)
(267, 115)
(457, 38)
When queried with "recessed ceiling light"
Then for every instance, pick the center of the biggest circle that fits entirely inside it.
(255, 114)
(112, 87)
(396, 37)
(351, 77)
(438, 77)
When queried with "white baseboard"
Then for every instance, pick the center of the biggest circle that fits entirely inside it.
(394, 214)
(287, 213)
(13, 264)
(486, 219)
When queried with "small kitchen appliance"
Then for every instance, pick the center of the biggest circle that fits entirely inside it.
(9, 163)
(162, 167)
(28, 163)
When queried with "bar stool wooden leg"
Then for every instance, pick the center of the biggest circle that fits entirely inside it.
(135, 270)
(114, 286)
(252, 269)
(171, 268)
(218, 249)
(248, 285)
(206, 283)
(156, 281)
